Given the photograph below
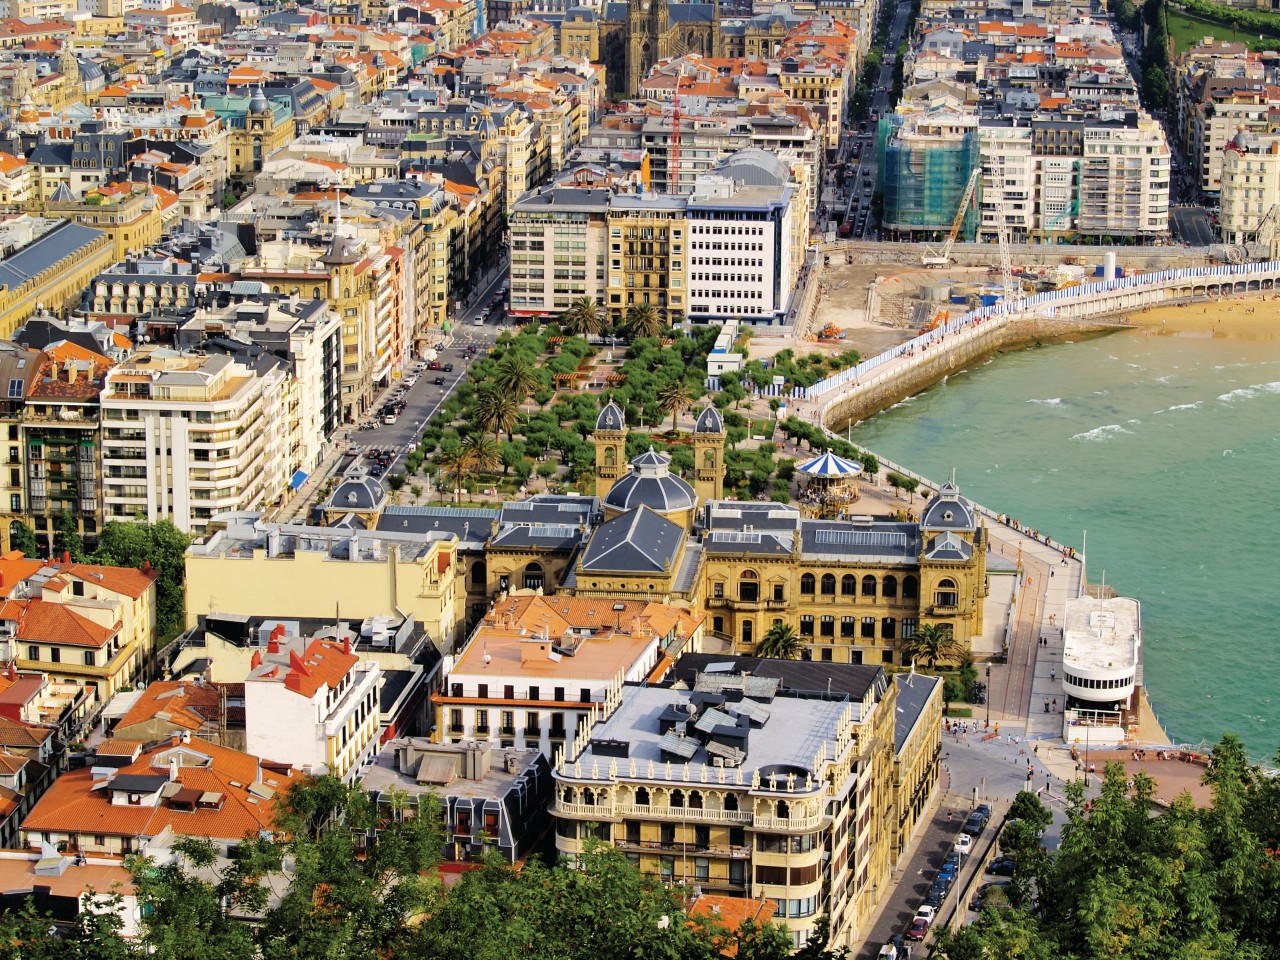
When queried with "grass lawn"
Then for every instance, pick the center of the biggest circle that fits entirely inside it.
(763, 428)
(1187, 31)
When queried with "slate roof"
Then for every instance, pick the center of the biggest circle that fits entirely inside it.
(947, 510)
(948, 546)
(651, 484)
(611, 418)
(470, 524)
(844, 540)
(709, 421)
(63, 241)
(637, 542)
(854, 679)
(357, 493)
(914, 691)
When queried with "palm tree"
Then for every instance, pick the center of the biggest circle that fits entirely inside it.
(931, 643)
(495, 410)
(674, 398)
(780, 643)
(583, 319)
(454, 462)
(482, 453)
(643, 320)
(516, 376)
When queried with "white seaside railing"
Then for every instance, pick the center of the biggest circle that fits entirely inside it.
(1050, 300)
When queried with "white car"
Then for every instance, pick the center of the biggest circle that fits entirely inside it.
(963, 843)
(926, 912)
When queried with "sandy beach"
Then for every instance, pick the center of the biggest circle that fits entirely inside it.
(1255, 317)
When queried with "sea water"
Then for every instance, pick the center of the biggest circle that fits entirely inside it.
(1166, 449)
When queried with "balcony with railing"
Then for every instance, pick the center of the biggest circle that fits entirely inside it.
(684, 814)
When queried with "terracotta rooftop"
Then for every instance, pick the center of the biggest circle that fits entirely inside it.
(79, 802)
(184, 704)
(324, 663)
(23, 736)
(47, 622)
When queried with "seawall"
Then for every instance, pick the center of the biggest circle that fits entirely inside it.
(861, 401)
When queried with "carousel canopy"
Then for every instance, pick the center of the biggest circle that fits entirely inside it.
(830, 466)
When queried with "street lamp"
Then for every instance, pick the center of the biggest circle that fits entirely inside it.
(988, 695)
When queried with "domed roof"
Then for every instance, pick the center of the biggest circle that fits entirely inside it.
(709, 421)
(357, 493)
(650, 484)
(947, 510)
(611, 418)
(259, 103)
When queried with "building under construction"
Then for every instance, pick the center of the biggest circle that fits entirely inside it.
(926, 162)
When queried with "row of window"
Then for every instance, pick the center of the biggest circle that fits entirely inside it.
(1089, 683)
(55, 656)
(811, 585)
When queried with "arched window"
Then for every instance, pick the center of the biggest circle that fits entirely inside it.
(717, 624)
(749, 586)
(848, 585)
(807, 584)
(731, 801)
(479, 575)
(677, 798)
(869, 586)
(828, 584)
(783, 810)
(889, 587)
(946, 594)
(588, 797)
(909, 589)
(642, 796)
(610, 456)
(748, 633)
(709, 458)
(533, 576)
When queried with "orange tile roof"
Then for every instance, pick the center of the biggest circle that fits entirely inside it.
(72, 805)
(123, 580)
(323, 663)
(729, 913)
(119, 748)
(186, 705)
(46, 622)
(23, 736)
(13, 568)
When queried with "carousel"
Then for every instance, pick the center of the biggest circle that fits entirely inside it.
(828, 486)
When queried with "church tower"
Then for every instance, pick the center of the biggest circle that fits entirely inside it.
(610, 439)
(708, 455)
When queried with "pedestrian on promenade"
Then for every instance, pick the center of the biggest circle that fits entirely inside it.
(1051, 573)
(1046, 704)
(1055, 704)
(1053, 676)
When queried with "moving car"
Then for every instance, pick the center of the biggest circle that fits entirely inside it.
(438, 381)
(448, 368)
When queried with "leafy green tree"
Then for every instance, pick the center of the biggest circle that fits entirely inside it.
(518, 376)
(495, 410)
(160, 545)
(643, 320)
(674, 398)
(67, 540)
(94, 935)
(584, 318)
(932, 642)
(22, 537)
(453, 461)
(483, 453)
(780, 642)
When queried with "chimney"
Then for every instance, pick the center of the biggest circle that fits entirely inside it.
(66, 556)
(256, 660)
(71, 371)
(13, 671)
(173, 769)
(146, 568)
(346, 645)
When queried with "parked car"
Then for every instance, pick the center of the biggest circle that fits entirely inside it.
(926, 912)
(934, 899)
(976, 902)
(983, 809)
(963, 844)
(1001, 866)
(947, 875)
(952, 858)
(942, 886)
(974, 824)
(918, 929)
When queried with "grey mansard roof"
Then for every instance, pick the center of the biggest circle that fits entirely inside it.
(611, 418)
(709, 421)
(947, 510)
(637, 542)
(651, 484)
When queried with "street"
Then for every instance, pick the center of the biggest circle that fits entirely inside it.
(1191, 225)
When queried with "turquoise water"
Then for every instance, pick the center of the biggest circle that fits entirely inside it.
(1167, 451)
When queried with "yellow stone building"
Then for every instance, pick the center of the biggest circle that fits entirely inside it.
(50, 269)
(646, 261)
(756, 778)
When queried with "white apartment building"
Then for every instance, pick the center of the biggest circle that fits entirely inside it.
(312, 704)
(1125, 172)
(744, 244)
(1250, 186)
(186, 437)
(557, 249)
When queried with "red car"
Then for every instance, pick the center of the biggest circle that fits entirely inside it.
(433, 365)
(919, 927)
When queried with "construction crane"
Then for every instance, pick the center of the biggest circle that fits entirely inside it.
(1263, 237)
(1009, 290)
(940, 258)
